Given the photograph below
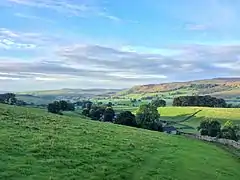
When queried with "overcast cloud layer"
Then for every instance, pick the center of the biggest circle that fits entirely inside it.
(46, 58)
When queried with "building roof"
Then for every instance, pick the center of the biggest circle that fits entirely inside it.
(169, 128)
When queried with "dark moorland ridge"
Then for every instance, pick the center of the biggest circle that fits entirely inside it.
(222, 87)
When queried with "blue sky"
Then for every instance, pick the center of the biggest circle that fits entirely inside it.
(52, 44)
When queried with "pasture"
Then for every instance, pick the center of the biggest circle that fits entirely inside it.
(186, 119)
(37, 145)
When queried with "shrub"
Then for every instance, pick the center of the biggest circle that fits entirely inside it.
(210, 128)
(108, 115)
(126, 118)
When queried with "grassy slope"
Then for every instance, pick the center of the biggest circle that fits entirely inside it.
(37, 145)
(180, 113)
(35, 99)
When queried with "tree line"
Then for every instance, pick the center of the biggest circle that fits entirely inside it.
(10, 98)
(203, 101)
(147, 115)
(57, 107)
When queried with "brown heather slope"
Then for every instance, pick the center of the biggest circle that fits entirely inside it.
(222, 87)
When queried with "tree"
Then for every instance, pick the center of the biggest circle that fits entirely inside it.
(110, 104)
(108, 115)
(158, 102)
(87, 104)
(54, 107)
(63, 105)
(126, 118)
(70, 107)
(96, 112)
(210, 128)
(86, 112)
(229, 131)
(147, 117)
(8, 98)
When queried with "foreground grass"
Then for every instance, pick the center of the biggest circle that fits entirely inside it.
(37, 145)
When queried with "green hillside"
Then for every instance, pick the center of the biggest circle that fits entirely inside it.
(180, 116)
(35, 99)
(38, 145)
(47, 96)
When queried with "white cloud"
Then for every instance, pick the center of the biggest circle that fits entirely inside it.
(33, 17)
(9, 78)
(11, 44)
(68, 7)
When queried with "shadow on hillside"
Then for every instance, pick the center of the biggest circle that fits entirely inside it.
(175, 119)
(191, 121)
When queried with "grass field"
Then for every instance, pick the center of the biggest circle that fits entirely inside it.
(41, 146)
(180, 114)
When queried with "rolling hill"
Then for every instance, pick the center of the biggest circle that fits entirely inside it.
(228, 88)
(44, 97)
(38, 145)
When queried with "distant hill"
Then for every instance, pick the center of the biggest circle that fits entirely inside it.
(44, 97)
(66, 92)
(228, 88)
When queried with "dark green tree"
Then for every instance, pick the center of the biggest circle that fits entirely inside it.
(126, 118)
(63, 105)
(147, 117)
(86, 112)
(158, 102)
(54, 107)
(108, 114)
(210, 128)
(230, 131)
(8, 98)
(96, 112)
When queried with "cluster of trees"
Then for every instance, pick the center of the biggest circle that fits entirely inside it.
(213, 128)
(233, 106)
(204, 101)
(99, 112)
(10, 98)
(159, 102)
(147, 115)
(58, 106)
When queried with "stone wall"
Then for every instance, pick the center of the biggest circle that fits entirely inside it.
(228, 142)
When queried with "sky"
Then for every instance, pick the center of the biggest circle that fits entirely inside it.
(53, 44)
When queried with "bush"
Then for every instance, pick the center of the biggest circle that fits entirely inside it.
(108, 115)
(230, 131)
(210, 128)
(86, 112)
(126, 118)
(54, 107)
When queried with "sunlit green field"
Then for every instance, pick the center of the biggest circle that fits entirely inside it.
(42, 146)
(180, 115)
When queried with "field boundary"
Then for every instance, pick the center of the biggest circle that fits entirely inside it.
(226, 142)
(189, 117)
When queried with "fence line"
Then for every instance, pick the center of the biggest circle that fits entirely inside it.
(235, 144)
